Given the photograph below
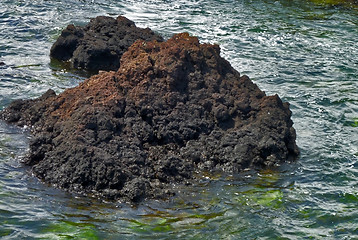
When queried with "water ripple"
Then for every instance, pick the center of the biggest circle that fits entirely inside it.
(306, 53)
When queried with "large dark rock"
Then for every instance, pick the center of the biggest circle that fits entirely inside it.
(172, 109)
(100, 44)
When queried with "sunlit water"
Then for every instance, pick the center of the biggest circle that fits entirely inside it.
(305, 52)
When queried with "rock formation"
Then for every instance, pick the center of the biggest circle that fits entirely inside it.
(171, 110)
(100, 44)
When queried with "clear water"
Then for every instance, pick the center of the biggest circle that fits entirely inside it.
(303, 51)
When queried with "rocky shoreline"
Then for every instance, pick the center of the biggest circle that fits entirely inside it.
(173, 108)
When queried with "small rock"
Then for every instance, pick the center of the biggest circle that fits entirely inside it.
(100, 44)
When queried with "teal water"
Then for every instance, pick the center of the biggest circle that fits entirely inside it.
(303, 51)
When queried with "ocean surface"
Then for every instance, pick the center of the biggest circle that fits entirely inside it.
(304, 51)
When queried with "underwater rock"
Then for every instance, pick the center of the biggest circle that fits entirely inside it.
(2, 63)
(100, 44)
(172, 109)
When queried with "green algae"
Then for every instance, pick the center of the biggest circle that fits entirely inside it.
(5, 232)
(164, 222)
(159, 225)
(351, 122)
(262, 192)
(70, 230)
(261, 197)
(355, 122)
(348, 198)
(345, 3)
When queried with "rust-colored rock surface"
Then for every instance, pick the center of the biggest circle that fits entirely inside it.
(100, 44)
(172, 109)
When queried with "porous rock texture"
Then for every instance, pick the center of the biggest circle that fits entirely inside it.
(100, 44)
(173, 109)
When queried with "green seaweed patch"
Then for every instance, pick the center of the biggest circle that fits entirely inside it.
(348, 198)
(316, 16)
(7, 221)
(168, 223)
(351, 123)
(345, 3)
(307, 213)
(264, 191)
(267, 178)
(261, 197)
(158, 225)
(71, 230)
(6, 194)
(328, 2)
(5, 232)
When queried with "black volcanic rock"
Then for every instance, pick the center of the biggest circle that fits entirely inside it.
(100, 44)
(171, 110)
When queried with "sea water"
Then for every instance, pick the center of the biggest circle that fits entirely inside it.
(304, 51)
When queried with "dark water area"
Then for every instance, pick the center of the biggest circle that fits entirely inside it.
(304, 51)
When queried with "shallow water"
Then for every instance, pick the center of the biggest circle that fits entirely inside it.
(303, 51)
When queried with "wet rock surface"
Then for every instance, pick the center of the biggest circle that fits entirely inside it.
(100, 44)
(172, 109)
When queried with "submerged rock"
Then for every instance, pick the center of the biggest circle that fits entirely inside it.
(100, 44)
(171, 110)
